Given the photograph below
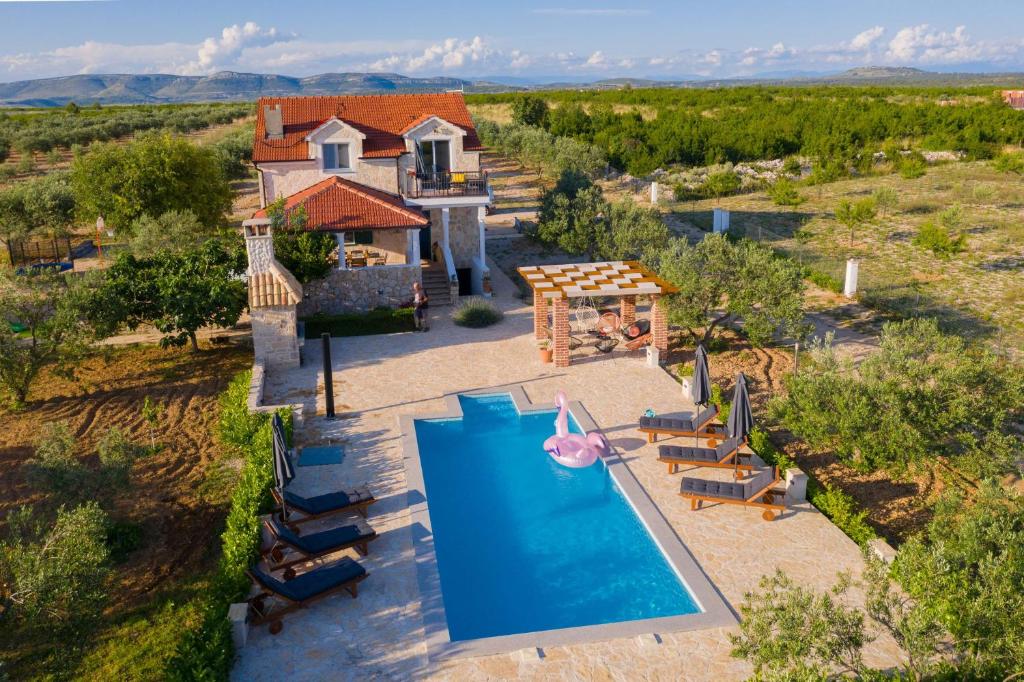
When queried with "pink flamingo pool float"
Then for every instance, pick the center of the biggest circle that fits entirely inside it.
(572, 449)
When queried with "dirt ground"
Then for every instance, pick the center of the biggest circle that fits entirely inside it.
(170, 495)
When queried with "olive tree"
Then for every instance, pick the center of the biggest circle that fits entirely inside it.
(721, 281)
(530, 110)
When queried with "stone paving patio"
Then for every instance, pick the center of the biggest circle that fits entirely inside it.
(381, 634)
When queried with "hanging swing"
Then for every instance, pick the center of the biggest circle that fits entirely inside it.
(585, 315)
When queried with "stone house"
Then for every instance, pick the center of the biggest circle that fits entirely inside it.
(395, 178)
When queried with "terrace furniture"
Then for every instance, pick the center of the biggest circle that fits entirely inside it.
(320, 506)
(755, 492)
(700, 425)
(290, 548)
(725, 456)
(302, 590)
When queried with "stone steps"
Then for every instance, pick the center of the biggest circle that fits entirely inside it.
(435, 283)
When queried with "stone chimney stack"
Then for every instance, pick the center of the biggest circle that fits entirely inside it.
(259, 244)
(273, 122)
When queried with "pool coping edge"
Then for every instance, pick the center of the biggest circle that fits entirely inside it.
(715, 609)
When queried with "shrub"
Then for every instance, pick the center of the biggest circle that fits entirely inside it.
(26, 164)
(936, 238)
(783, 193)
(791, 166)
(54, 464)
(722, 184)
(886, 199)
(56, 576)
(529, 110)
(1009, 163)
(842, 510)
(476, 313)
(913, 166)
(117, 454)
(825, 280)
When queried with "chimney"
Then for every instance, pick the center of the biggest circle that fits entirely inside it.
(272, 122)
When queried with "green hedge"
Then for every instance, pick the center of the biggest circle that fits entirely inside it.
(206, 652)
(379, 321)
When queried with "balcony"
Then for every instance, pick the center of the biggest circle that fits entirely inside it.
(445, 184)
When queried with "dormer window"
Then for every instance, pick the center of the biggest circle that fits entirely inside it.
(336, 157)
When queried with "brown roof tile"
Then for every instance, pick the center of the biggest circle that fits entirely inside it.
(382, 118)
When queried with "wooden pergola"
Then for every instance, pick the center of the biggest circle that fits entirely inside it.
(556, 284)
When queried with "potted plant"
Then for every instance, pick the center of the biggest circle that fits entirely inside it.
(685, 373)
(547, 353)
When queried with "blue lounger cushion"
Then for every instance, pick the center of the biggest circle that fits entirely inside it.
(325, 540)
(694, 454)
(328, 502)
(312, 583)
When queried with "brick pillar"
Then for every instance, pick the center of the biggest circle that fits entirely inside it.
(561, 331)
(659, 326)
(540, 316)
(627, 310)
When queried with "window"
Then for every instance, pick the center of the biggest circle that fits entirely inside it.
(434, 156)
(336, 157)
(359, 237)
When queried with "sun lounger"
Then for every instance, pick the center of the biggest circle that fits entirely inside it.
(302, 590)
(724, 456)
(755, 492)
(673, 426)
(320, 506)
(290, 548)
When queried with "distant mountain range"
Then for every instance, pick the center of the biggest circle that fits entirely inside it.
(232, 86)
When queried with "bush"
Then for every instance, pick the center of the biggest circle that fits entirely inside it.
(912, 166)
(54, 464)
(205, 651)
(1009, 163)
(56, 576)
(117, 455)
(936, 238)
(476, 313)
(783, 193)
(824, 280)
(842, 510)
(529, 110)
(379, 321)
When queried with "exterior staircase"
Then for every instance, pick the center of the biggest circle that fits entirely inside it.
(435, 283)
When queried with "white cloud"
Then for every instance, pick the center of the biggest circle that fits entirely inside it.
(224, 51)
(596, 59)
(865, 39)
(921, 44)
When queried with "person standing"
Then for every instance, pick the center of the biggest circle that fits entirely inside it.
(419, 304)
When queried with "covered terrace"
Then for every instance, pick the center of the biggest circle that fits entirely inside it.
(554, 285)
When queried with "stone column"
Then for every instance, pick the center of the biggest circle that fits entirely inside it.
(340, 238)
(482, 226)
(445, 221)
(627, 310)
(540, 316)
(560, 317)
(659, 326)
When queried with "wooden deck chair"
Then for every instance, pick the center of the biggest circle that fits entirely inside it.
(302, 590)
(725, 456)
(294, 509)
(697, 426)
(755, 492)
(289, 548)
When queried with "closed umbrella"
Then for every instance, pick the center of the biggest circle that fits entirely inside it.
(283, 471)
(700, 388)
(741, 421)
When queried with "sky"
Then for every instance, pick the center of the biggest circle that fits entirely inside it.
(523, 39)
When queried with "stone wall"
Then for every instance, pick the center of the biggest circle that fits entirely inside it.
(360, 290)
(273, 336)
(283, 179)
(463, 233)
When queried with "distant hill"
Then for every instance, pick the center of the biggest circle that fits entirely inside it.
(232, 86)
(222, 86)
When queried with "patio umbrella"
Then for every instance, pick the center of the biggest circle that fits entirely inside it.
(700, 388)
(741, 421)
(283, 471)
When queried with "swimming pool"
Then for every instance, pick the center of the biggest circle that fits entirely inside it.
(525, 545)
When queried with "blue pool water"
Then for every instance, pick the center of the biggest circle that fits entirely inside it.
(524, 544)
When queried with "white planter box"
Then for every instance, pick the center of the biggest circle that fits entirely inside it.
(687, 386)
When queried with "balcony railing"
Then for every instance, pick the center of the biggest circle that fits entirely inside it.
(447, 184)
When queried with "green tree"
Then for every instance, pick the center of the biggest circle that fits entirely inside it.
(912, 403)
(151, 412)
(307, 254)
(718, 185)
(886, 199)
(150, 176)
(51, 330)
(967, 569)
(176, 292)
(720, 281)
(174, 231)
(55, 577)
(788, 631)
(569, 120)
(529, 110)
(854, 215)
(43, 205)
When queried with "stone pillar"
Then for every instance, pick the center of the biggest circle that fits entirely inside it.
(274, 328)
(480, 213)
(540, 316)
(340, 238)
(445, 221)
(659, 326)
(560, 316)
(627, 310)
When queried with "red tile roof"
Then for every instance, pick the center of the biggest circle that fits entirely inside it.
(382, 118)
(338, 205)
